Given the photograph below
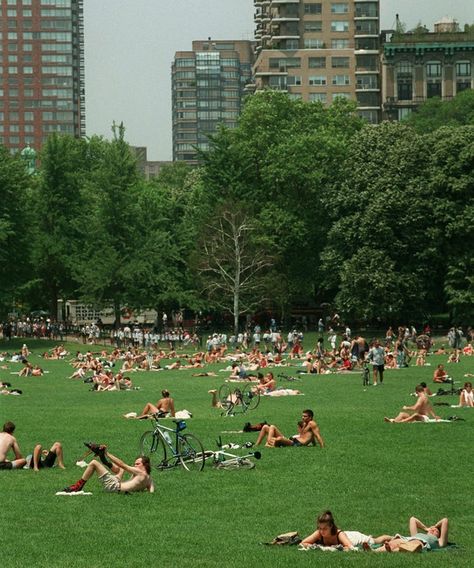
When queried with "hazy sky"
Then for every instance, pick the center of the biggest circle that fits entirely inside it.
(130, 44)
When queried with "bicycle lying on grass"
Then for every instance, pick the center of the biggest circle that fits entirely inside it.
(225, 460)
(235, 399)
(186, 450)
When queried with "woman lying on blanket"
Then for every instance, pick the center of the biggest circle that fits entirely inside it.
(327, 534)
(428, 538)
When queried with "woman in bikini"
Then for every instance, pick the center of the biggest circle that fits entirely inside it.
(327, 534)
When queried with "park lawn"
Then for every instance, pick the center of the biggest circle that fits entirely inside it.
(372, 475)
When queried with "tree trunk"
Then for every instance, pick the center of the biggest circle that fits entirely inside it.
(117, 313)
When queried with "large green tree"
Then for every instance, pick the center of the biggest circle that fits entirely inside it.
(15, 241)
(381, 258)
(57, 209)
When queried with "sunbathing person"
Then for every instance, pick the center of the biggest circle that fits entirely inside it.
(140, 472)
(266, 383)
(308, 433)
(421, 410)
(40, 458)
(433, 537)
(164, 407)
(327, 534)
(440, 375)
(466, 397)
(8, 442)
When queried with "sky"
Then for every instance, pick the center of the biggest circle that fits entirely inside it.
(130, 44)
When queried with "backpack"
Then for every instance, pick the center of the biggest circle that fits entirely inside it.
(290, 538)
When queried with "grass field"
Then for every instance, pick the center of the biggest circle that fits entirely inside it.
(372, 475)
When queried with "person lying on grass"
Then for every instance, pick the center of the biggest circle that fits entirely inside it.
(433, 537)
(8, 443)
(40, 458)
(327, 534)
(421, 410)
(164, 407)
(112, 482)
(308, 433)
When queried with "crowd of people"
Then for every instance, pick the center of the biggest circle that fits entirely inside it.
(249, 356)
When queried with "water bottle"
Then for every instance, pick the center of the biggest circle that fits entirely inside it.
(167, 437)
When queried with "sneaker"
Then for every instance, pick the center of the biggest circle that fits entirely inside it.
(96, 449)
(74, 488)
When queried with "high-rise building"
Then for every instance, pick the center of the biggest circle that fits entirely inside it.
(320, 50)
(208, 87)
(420, 64)
(41, 71)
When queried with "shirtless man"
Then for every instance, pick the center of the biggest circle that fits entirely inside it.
(440, 375)
(163, 407)
(140, 472)
(46, 458)
(421, 410)
(8, 442)
(308, 432)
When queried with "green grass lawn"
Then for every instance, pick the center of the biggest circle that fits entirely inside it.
(372, 475)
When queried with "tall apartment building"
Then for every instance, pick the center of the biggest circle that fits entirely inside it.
(41, 71)
(420, 65)
(208, 86)
(320, 50)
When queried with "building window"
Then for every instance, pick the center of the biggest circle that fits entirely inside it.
(295, 96)
(340, 8)
(341, 80)
(340, 26)
(284, 62)
(340, 44)
(404, 113)
(463, 69)
(339, 62)
(317, 80)
(312, 8)
(315, 26)
(346, 96)
(317, 62)
(293, 80)
(319, 97)
(367, 82)
(434, 89)
(313, 43)
(366, 10)
(371, 116)
(404, 89)
(433, 69)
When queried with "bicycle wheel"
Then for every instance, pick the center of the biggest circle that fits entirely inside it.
(250, 397)
(152, 446)
(236, 463)
(224, 395)
(191, 453)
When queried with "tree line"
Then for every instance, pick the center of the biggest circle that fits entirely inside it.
(301, 204)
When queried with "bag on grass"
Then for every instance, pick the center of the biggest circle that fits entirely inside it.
(290, 538)
(410, 546)
(254, 427)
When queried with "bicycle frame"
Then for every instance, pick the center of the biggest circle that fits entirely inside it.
(160, 430)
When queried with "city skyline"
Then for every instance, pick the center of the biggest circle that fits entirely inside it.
(123, 76)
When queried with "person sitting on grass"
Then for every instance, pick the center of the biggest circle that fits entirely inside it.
(266, 383)
(164, 407)
(432, 538)
(308, 432)
(327, 534)
(8, 442)
(40, 458)
(421, 410)
(440, 375)
(466, 397)
(140, 472)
